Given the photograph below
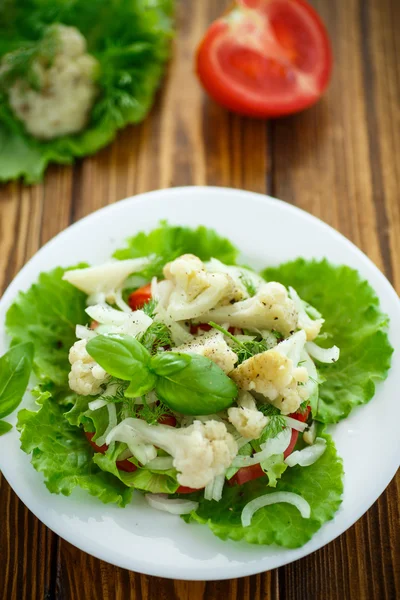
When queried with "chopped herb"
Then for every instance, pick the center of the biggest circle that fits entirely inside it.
(149, 307)
(249, 285)
(244, 350)
(150, 413)
(156, 337)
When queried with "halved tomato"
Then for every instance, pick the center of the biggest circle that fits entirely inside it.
(266, 58)
(139, 297)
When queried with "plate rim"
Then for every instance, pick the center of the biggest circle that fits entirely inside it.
(245, 569)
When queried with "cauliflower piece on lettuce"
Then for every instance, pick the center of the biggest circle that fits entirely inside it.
(61, 101)
(103, 283)
(212, 345)
(86, 376)
(200, 452)
(246, 282)
(195, 291)
(275, 374)
(246, 418)
(271, 308)
(312, 327)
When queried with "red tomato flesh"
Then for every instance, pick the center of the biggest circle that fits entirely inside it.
(139, 297)
(266, 58)
(182, 489)
(123, 465)
(246, 474)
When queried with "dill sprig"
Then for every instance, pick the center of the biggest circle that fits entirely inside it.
(244, 350)
(156, 337)
(149, 307)
(275, 425)
(248, 284)
(151, 413)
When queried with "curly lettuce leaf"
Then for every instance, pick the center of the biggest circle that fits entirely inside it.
(320, 484)
(62, 453)
(167, 242)
(353, 321)
(46, 315)
(130, 39)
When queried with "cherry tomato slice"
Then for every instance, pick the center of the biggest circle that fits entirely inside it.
(266, 58)
(167, 420)
(126, 465)
(182, 489)
(95, 447)
(139, 297)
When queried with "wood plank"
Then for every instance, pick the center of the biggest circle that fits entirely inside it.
(349, 140)
(27, 221)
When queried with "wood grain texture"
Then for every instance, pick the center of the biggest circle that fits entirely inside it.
(338, 160)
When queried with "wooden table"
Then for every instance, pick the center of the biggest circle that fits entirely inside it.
(338, 160)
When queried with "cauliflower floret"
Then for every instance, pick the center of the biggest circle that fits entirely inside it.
(103, 282)
(212, 345)
(194, 290)
(275, 374)
(246, 419)
(201, 451)
(86, 376)
(67, 89)
(270, 308)
(246, 282)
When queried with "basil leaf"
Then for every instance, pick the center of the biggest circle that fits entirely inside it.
(167, 363)
(143, 381)
(15, 370)
(201, 388)
(5, 427)
(120, 355)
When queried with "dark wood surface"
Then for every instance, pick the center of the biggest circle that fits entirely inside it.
(339, 160)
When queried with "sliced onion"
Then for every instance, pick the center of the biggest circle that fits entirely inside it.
(112, 423)
(208, 490)
(96, 404)
(213, 490)
(276, 445)
(308, 456)
(295, 424)
(309, 435)
(120, 302)
(175, 506)
(160, 463)
(323, 355)
(275, 498)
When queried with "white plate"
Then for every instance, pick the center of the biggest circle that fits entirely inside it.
(139, 538)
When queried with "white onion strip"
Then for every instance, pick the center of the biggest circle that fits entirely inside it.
(161, 463)
(175, 506)
(112, 422)
(308, 456)
(275, 498)
(84, 333)
(96, 404)
(323, 355)
(275, 445)
(295, 424)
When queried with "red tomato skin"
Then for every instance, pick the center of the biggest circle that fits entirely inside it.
(182, 489)
(139, 297)
(123, 465)
(167, 420)
(237, 100)
(126, 465)
(95, 447)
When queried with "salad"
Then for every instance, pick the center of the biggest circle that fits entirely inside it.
(207, 387)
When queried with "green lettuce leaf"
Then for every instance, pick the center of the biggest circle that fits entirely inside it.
(156, 482)
(320, 484)
(5, 427)
(62, 453)
(167, 242)
(130, 39)
(46, 315)
(274, 467)
(353, 322)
